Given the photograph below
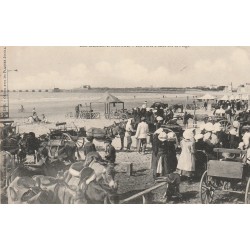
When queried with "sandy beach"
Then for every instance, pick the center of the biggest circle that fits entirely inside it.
(56, 106)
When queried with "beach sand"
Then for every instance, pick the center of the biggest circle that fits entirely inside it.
(55, 107)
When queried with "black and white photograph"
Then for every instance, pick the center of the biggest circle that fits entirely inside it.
(125, 125)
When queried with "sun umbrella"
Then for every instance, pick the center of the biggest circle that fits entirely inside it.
(207, 97)
(245, 97)
(237, 97)
(231, 98)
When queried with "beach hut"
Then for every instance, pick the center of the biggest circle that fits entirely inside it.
(232, 97)
(238, 97)
(206, 97)
(108, 100)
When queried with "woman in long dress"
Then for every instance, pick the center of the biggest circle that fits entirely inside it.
(166, 160)
(186, 162)
(155, 150)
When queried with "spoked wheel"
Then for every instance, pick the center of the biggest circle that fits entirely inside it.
(66, 137)
(206, 189)
(247, 194)
(80, 143)
(225, 124)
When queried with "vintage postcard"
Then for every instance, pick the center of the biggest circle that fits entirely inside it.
(125, 125)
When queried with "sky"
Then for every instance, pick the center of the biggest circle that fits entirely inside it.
(71, 67)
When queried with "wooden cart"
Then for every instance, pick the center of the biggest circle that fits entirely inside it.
(229, 175)
(63, 134)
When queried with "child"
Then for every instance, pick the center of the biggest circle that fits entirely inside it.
(89, 146)
(110, 151)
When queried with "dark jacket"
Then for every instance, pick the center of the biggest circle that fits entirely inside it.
(111, 154)
(89, 147)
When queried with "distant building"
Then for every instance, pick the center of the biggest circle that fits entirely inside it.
(244, 88)
(56, 90)
(229, 88)
(86, 87)
(213, 86)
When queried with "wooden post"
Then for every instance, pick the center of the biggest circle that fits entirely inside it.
(109, 110)
(145, 199)
(130, 169)
(142, 193)
(194, 120)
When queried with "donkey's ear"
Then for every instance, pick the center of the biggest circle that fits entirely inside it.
(13, 194)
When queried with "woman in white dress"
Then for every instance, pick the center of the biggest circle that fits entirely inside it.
(186, 162)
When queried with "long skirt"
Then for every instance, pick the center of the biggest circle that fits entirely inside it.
(165, 164)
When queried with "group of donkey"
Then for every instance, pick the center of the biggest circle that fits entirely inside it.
(89, 181)
(14, 171)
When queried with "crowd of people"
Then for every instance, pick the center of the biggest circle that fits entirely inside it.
(172, 156)
(205, 138)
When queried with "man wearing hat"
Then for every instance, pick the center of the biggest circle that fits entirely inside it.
(234, 139)
(199, 143)
(149, 116)
(110, 151)
(121, 131)
(159, 123)
(141, 135)
(89, 146)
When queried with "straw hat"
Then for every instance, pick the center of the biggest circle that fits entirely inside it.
(202, 126)
(236, 124)
(188, 134)
(233, 131)
(171, 136)
(209, 127)
(158, 131)
(159, 118)
(198, 131)
(198, 137)
(207, 136)
(217, 127)
(143, 106)
(162, 136)
(241, 145)
(154, 111)
(147, 109)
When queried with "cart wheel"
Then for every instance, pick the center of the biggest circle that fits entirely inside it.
(206, 189)
(247, 194)
(225, 124)
(66, 137)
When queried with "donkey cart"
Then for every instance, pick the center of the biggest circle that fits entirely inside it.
(230, 174)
